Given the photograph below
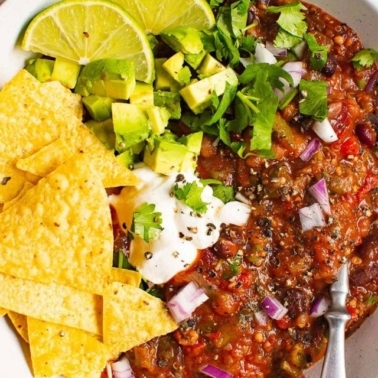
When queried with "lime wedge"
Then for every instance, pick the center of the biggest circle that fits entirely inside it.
(157, 16)
(87, 30)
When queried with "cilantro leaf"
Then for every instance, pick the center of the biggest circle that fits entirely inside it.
(291, 18)
(146, 222)
(365, 58)
(190, 194)
(319, 53)
(224, 192)
(286, 40)
(239, 14)
(315, 99)
(215, 3)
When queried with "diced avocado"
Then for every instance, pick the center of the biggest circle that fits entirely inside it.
(127, 158)
(158, 117)
(175, 68)
(189, 162)
(198, 95)
(164, 81)
(183, 38)
(131, 124)
(143, 94)
(164, 156)
(195, 60)
(66, 72)
(104, 132)
(210, 66)
(40, 68)
(108, 78)
(169, 100)
(193, 141)
(98, 107)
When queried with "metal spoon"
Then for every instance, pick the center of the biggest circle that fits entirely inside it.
(337, 317)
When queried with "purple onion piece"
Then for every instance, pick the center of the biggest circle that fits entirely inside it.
(319, 307)
(274, 308)
(215, 372)
(371, 82)
(311, 217)
(320, 193)
(310, 149)
(261, 317)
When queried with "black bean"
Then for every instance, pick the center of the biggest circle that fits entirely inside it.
(366, 134)
(330, 67)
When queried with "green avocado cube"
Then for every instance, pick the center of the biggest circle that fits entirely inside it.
(104, 132)
(198, 94)
(40, 68)
(131, 125)
(183, 38)
(66, 72)
(210, 66)
(143, 94)
(175, 68)
(108, 78)
(193, 141)
(127, 158)
(98, 107)
(169, 100)
(158, 117)
(164, 156)
(164, 81)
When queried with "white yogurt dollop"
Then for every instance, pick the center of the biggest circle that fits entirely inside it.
(184, 232)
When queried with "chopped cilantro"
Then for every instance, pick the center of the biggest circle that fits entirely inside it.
(123, 261)
(372, 300)
(314, 101)
(146, 222)
(319, 53)
(286, 40)
(365, 58)
(233, 268)
(291, 18)
(190, 194)
(224, 192)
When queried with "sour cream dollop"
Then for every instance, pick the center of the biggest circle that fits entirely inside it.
(184, 232)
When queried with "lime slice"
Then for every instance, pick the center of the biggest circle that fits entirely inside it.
(157, 16)
(87, 30)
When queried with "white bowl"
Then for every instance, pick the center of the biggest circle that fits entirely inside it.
(362, 15)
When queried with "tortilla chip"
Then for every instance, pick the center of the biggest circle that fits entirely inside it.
(12, 181)
(3, 311)
(28, 185)
(47, 159)
(54, 303)
(79, 354)
(60, 231)
(132, 317)
(20, 324)
(126, 276)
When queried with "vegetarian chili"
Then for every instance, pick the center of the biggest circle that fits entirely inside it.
(273, 255)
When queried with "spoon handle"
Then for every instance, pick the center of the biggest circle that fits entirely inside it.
(337, 317)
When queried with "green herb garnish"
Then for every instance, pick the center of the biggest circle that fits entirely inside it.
(364, 58)
(190, 194)
(314, 102)
(146, 222)
(319, 53)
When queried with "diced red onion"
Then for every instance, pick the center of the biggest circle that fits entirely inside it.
(242, 198)
(325, 131)
(186, 301)
(296, 70)
(300, 49)
(319, 307)
(311, 217)
(371, 82)
(310, 149)
(261, 317)
(215, 372)
(276, 51)
(274, 308)
(121, 369)
(320, 193)
(263, 55)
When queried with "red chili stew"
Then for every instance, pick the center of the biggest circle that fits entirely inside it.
(272, 255)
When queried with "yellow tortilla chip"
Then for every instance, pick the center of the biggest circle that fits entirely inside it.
(60, 231)
(131, 317)
(12, 181)
(20, 324)
(126, 276)
(57, 349)
(47, 159)
(3, 311)
(54, 303)
(28, 185)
